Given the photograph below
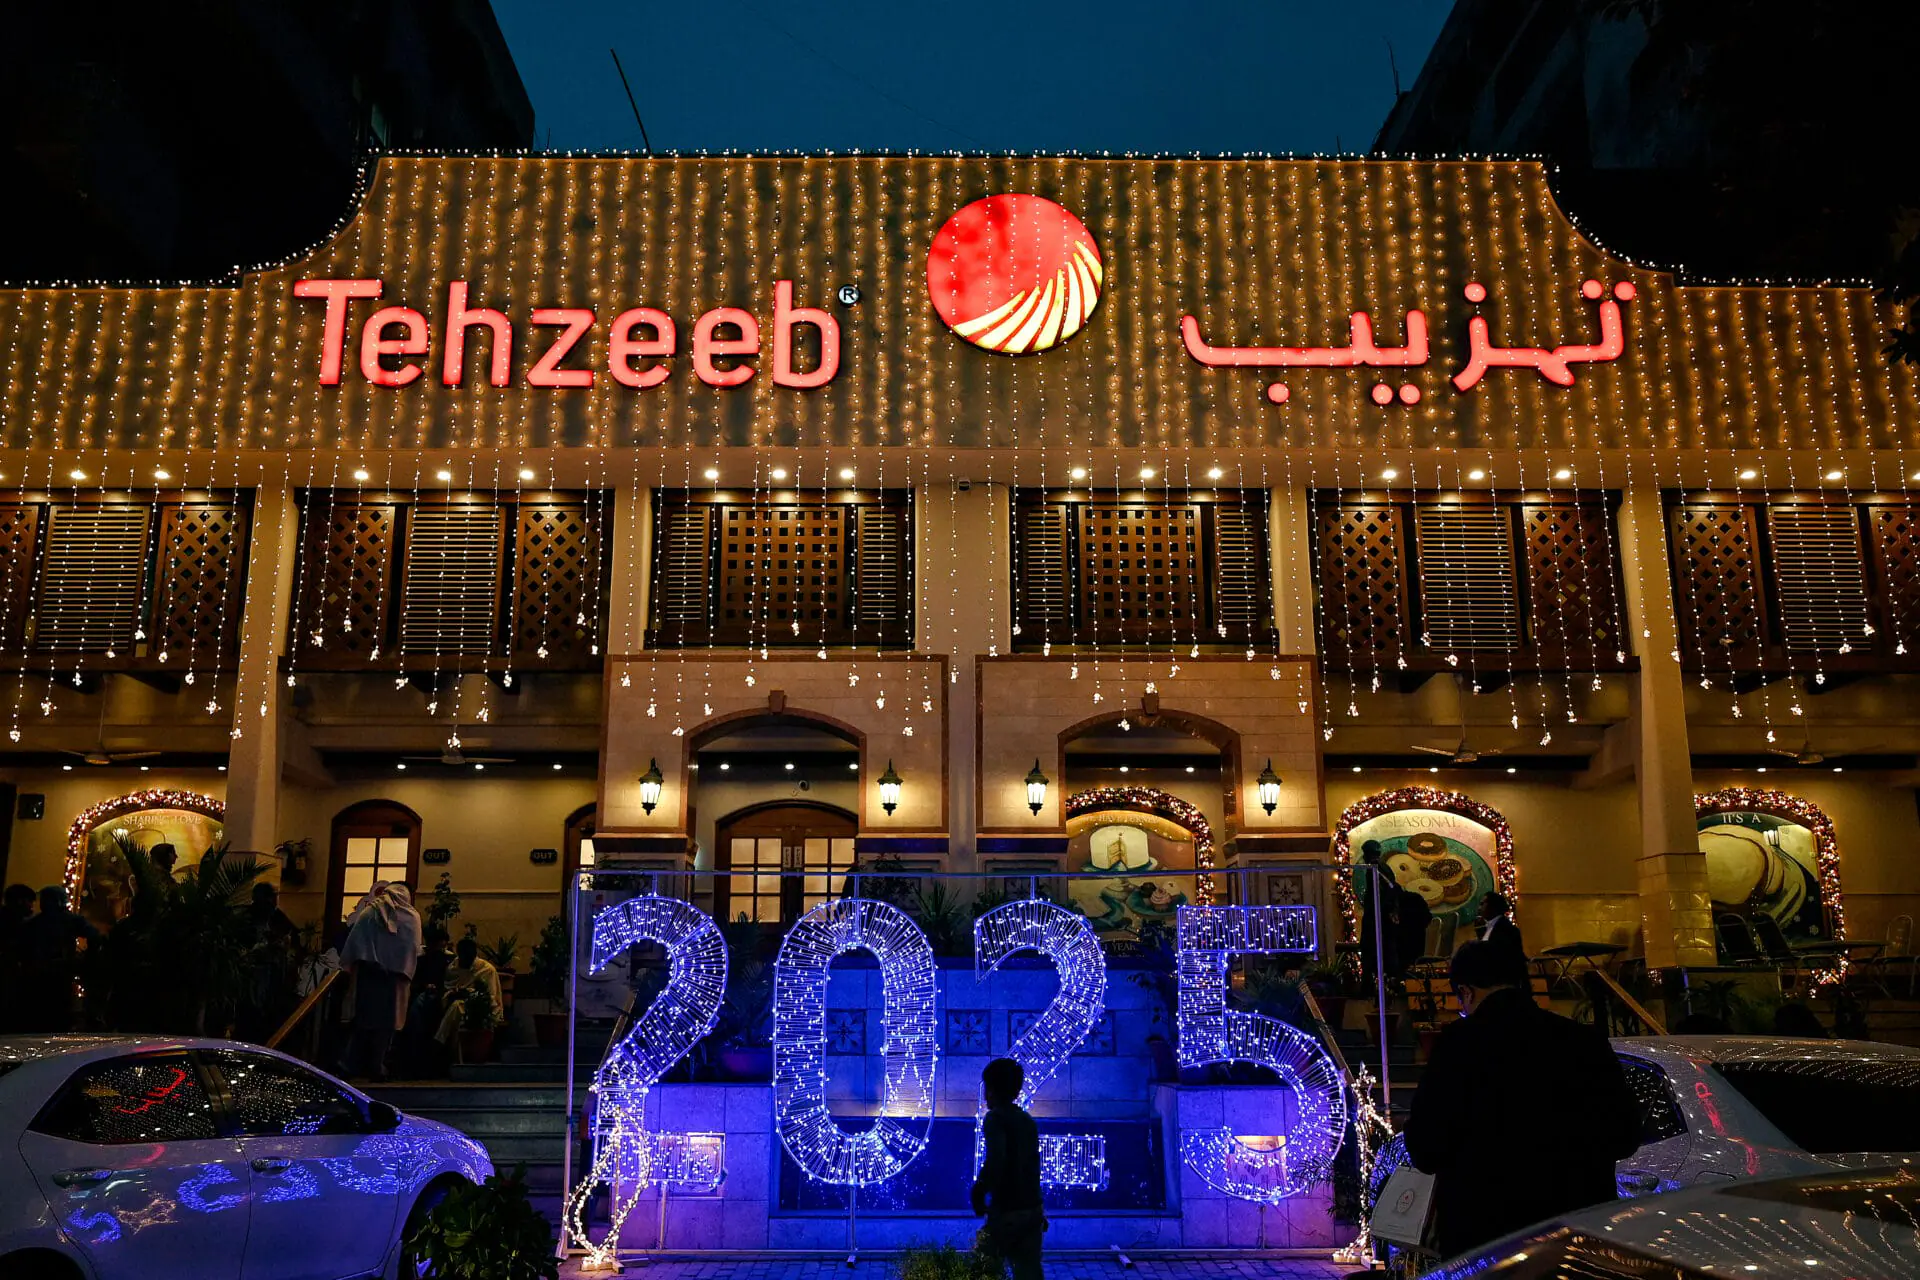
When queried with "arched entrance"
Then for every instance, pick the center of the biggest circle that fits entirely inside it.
(764, 840)
(1154, 849)
(576, 840)
(1448, 847)
(373, 840)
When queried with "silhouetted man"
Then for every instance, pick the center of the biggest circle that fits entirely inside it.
(1007, 1192)
(1520, 1113)
(50, 954)
(1497, 926)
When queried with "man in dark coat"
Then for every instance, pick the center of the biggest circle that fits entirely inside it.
(1497, 926)
(1007, 1192)
(1404, 914)
(1520, 1114)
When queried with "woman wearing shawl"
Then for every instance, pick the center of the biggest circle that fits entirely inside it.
(382, 947)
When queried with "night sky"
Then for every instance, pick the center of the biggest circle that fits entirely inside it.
(996, 75)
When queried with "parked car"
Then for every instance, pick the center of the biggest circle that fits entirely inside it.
(1854, 1223)
(126, 1157)
(1717, 1108)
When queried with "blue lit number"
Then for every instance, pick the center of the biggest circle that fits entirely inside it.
(1065, 938)
(680, 1016)
(1271, 1168)
(909, 1054)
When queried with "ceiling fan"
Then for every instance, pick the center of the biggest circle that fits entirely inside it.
(1460, 753)
(453, 755)
(100, 755)
(1805, 755)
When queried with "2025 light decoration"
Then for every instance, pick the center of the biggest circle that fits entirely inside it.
(1211, 1031)
(1065, 938)
(626, 1153)
(909, 1050)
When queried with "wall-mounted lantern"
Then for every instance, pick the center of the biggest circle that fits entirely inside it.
(1036, 788)
(1269, 789)
(889, 790)
(650, 786)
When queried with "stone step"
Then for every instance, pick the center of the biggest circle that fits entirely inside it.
(524, 1073)
(435, 1095)
(486, 1123)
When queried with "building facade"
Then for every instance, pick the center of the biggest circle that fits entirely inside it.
(557, 511)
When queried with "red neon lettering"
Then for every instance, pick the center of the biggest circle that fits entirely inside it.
(547, 371)
(374, 345)
(785, 317)
(459, 320)
(706, 346)
(333, 334)
(622, 346)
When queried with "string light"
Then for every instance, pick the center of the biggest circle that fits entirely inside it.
(909, 1050)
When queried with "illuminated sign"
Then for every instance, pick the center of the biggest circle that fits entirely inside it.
(635, 350)
(1014, 274)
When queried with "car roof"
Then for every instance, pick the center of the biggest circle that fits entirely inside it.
(1755, 1049)
(85, 1046)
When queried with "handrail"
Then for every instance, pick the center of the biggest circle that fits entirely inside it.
(1326, 1033)
(305, 1007)
(1647, 1020)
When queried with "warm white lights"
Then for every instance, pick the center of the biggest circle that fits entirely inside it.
(846, 473)
(1214, 473)
(1563, 474)
(1749, 474)
(1476, 474)
(1834, 475)
(360, 474)
(1390, 474)
(76, 474)
(443, 474)
(526, 473)
(778, 473)
(789, 766)
(161, 473)
(1078, 473)
(1147, 473)
(711, 473)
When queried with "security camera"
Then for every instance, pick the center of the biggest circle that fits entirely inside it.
(964, 486)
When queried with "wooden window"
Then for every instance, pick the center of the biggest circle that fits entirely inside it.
(93, 577)
(1533, 581)
(1716, 568)
(382, 577)
(19, 538)
(1819, 577)
(730, 571)
(1896, 567)
(1138, 569)
(812, 843)
(201, 570)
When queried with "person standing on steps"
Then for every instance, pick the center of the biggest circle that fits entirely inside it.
(1520, 1114)
(1007, 1192)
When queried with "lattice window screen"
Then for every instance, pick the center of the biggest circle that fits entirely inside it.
(1572, 595)
(1819, 577)
(1139, 570)
(1042, 573)
(783, 572)
(556, 571)
(451, 579)
(196, 610)
(92, 577)
(19, 534)
(882, 578)
(1362, 582)
(1718, 598)
(1896, 551)
(346, 579)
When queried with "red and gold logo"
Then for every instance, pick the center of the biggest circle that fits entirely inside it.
(1014, 274)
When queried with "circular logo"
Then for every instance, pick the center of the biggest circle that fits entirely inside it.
(1014, 274)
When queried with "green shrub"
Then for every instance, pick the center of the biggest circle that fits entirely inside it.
(488, 1232)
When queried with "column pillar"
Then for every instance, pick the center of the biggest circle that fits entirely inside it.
(630, 577)
(964, 610)
(1676, 913)
(1290, 538)
(254, 758)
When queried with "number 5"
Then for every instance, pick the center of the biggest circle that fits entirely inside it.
(1210, 1031)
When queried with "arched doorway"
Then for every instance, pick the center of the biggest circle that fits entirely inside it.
(576, 848)
(1449, 848)
(764, 840)
(1154, 850)
(373, 840)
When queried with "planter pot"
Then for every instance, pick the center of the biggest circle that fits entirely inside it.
(747, 1063)
(550, 1030)
(476, 1046)
(1389, 1033)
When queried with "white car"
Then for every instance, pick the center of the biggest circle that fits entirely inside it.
(147, 1158)
(1724, 1107)
(1853, 1223)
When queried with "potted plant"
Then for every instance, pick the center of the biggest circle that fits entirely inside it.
(478, 1020)
(944, 1262)
(486, 1232)
(547, 974)
(295, 857)
(443, 906)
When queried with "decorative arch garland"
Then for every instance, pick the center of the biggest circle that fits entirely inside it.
(1161, 804)
(132, 802)
(1826, 845)
(1504, 876)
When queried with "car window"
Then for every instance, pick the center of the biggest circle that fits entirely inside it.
(1832, 1106)
(1660, 1116)
(155, 1098)
(273, 1097)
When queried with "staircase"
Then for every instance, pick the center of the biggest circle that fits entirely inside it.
(515, 1106)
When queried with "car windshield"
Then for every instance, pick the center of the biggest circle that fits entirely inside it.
(1834, 1106)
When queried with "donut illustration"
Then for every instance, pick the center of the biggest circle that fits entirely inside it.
(1014, 274)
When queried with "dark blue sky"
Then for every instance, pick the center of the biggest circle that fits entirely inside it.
(999, 75)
